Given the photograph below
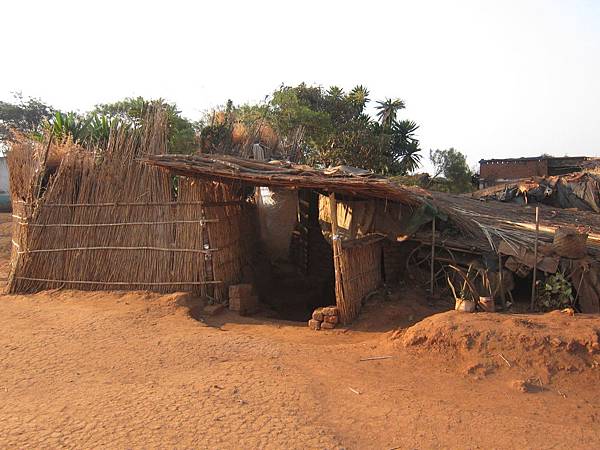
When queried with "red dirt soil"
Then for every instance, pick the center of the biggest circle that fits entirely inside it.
(130, 370)
(544, 348)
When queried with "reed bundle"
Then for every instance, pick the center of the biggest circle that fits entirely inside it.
(103, 220)
(361, 269)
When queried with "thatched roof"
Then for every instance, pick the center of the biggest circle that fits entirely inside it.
(483, 223)
(341, 179)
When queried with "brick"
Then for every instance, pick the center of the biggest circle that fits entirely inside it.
(330, 311)
(331, 319)
(318, 314)
(235, 304)
(240, 290)
(314, 324)
(213, 310)
(249, 303)
(327, 326)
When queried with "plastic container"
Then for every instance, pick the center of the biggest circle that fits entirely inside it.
(464, 305)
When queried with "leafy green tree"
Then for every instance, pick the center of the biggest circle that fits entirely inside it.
(24, 115)
(304, 107)
(332, 125)
(452, 164)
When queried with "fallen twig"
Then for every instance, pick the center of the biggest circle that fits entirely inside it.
(374, 358)
(354, 390)
(505, 360)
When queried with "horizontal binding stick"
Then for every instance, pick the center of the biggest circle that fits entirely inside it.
(93, 205)
(72, 249)
(116, 224)
(120, 283)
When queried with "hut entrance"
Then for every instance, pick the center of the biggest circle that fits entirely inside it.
(296, 272)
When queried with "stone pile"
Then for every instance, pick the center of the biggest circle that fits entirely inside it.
(242, 299)
(325, 318)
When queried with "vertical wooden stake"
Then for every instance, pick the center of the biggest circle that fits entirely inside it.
(336, 245)
(535, 253)
(431, 288)
(501, 281)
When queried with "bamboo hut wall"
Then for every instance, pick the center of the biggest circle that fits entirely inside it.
(116, 223)
(361, 274)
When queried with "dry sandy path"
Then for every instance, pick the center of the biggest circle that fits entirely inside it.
(130, 370)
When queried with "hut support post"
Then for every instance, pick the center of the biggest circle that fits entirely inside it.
(336, 245)
(501, 281)
(431, 276)
(535, 256)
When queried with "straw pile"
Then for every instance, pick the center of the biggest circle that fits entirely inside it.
(103, 220)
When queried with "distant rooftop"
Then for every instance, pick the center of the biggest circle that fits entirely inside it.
(536, 158)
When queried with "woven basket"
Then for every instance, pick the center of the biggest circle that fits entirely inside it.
(569, 242)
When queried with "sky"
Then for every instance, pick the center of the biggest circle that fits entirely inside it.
(492, 79)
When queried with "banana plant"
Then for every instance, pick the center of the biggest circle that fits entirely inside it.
(65, 125)
(93, 130)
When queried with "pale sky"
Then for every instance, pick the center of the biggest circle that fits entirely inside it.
(490, 78)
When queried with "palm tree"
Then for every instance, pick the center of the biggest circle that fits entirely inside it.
(405, 146)
(406, 129)
(387, 111)
(359, 95)
(335, 92)
(411, 160)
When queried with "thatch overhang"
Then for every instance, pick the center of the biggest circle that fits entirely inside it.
(484, 225)
(341, 179)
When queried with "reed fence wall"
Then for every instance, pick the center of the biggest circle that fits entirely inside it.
(103, 220)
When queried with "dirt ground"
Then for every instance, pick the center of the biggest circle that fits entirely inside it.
(129, 370)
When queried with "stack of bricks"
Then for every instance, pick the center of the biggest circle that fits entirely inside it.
(325, 318)
(242, 299)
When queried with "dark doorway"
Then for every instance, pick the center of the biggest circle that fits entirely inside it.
(294, 286)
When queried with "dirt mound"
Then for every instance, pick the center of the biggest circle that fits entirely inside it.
(541, 346)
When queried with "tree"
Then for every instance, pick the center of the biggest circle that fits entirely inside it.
(405, 146)
(452, 164)
(24, 115)
(387, 111)
(332, 126)
(359, 96)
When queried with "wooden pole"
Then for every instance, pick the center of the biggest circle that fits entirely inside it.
(431, 288)
(336, 245)
(535, 253)
(501, 281)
